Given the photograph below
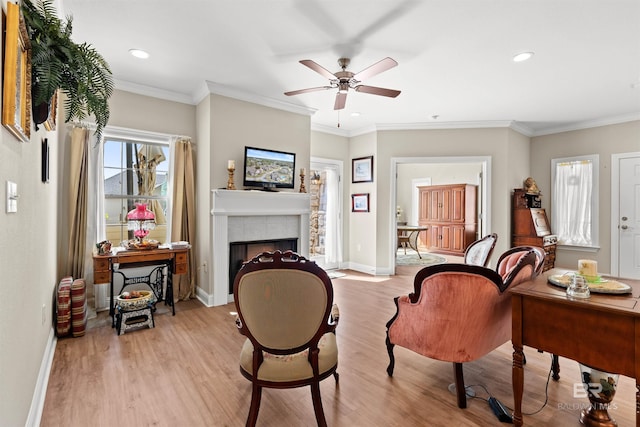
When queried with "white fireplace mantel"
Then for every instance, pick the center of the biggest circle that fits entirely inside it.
(264, 214)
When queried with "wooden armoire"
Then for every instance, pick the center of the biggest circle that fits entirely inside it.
(530, 226)
(450, 213)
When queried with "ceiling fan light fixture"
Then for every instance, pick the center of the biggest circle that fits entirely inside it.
(343, 87)
(522, 56)
(139, 53)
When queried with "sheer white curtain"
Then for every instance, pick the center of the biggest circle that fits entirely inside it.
(572, 197)
(333, 244)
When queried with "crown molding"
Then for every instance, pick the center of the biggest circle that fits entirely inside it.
(153, 92)
(589, 124)
(231, 92)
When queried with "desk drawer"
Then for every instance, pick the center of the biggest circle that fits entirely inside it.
(181, 268)
(101, 277)
(101, 264)
(181, 258)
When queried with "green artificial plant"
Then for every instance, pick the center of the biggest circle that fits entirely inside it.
(57, 62)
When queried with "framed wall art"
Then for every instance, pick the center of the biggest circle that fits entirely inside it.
(362, 169)
(360, 202)
(16, 96)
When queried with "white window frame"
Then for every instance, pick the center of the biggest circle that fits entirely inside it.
(142, 137)
(594, 205)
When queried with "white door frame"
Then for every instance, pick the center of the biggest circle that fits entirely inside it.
(339, 165)
(485, 203)
(615, 207)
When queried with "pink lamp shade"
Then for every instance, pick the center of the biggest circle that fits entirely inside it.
(141, 220)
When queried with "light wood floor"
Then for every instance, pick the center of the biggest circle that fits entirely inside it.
(185, 373)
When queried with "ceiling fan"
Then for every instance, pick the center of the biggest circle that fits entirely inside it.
(345, 80)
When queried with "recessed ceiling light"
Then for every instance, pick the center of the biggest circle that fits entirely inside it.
(522, 56)
(138, 53)
(355, 114)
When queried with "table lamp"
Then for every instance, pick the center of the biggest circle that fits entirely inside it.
(141, 220)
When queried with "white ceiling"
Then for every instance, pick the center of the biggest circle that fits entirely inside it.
(455, 57)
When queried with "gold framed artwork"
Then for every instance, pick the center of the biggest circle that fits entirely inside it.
(16, 98)
(50, 123)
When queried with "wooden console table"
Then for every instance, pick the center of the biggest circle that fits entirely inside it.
(176, 261)
(409, 234)
(602, 331)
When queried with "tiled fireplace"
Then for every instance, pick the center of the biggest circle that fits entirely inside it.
(254, 216)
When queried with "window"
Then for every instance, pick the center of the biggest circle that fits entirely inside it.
(135, 171)
(574, 200)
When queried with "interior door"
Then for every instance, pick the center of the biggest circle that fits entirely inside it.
(325, 246)
(629, 218)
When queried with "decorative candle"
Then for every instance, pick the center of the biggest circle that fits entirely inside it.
(302, 171)
(231, 164)
(587, 267)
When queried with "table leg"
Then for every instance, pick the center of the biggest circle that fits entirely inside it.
(111, 308)
(169, 296)
(518, 383)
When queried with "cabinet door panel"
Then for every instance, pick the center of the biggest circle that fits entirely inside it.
(457, 205)
(457, 238)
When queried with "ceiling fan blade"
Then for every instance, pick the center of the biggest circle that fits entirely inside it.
(341, 100)
(391, 93)
(377, 68)
(311, 89)
(318, 68)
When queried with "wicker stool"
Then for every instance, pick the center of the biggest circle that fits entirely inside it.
(134, 319)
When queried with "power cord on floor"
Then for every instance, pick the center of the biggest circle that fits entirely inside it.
(501, 410)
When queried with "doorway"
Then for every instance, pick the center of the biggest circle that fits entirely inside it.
(625, 215)
(455, 168)
(325, 233)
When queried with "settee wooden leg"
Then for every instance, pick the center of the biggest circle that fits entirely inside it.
(392, 359)
(461, 392)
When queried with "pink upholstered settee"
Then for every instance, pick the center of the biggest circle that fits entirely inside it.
(458, 312)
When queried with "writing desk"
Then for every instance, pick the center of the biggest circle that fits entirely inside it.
(602, 331)
(409, 234)
(104, 266)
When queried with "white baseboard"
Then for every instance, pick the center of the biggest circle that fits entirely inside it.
(40, 392)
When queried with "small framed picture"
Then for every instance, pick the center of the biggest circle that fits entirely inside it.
(362, 169)
(360, 202)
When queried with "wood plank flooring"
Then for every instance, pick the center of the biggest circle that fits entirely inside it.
(184, 372)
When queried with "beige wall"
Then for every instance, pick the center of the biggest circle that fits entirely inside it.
(604, 141)
(232, 125)
(363, 230)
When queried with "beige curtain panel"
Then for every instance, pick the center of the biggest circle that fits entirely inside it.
(183, 222)
(77, 191)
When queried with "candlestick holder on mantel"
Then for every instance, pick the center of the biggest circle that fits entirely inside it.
(302, 187)
(231, 167)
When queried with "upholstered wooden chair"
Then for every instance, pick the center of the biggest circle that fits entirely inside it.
(540, 256)
(286, 311)
(479, 252)
(510, 256)
(457, 313)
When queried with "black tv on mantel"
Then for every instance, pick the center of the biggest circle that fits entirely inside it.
(268, 169)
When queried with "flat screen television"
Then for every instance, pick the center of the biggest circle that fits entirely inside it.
(268, 169)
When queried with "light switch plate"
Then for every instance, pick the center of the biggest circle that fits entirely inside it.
(12, 197)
